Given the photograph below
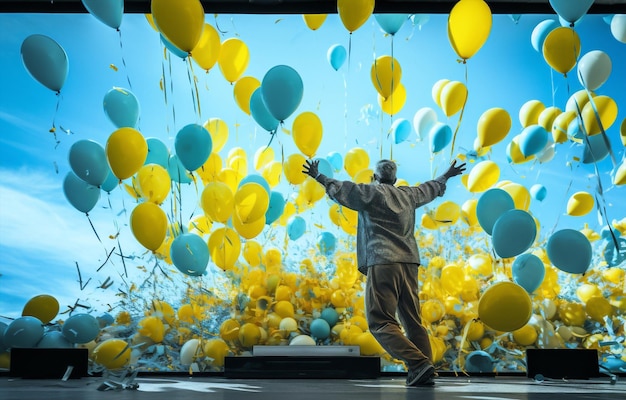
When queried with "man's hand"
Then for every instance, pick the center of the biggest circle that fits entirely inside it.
(454, 170)
(310, 168)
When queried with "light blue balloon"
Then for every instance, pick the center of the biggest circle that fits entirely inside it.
(571, 11)
(260, 113)
(79, 193)
(89, 162)
(608, 18)
(105, 319)
(109, 12)
(173, 49)
(515, 17)
(256, 178)
(595, 149)
(121, 107)
(391, 23)
(320, 329)
(23, 332)
(570, 251)
(54, 340)
(420, 19)
(282, 90)
(401, 129)
(541, 31)
(513, 233)
(110, 183)
(605, 233)
(330, 315)
(157, 152)
(324, 167)
(45, 60)
(296, 227)
(177, 171)
(440, 136)
(275, 208)
(533, 139)
(326, 242)
(193, 146)
(538, 192)
(336, 160)
(479, 361)
(528, 272)
(491, 205)
(190, 254)
(336, 56)
(615, 257)
(574, 129)
(81, 328)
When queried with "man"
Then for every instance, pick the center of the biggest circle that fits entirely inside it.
(387, 253)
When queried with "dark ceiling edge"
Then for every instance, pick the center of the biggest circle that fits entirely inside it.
(303, 7)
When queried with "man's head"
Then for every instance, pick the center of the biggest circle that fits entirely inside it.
(385, 172)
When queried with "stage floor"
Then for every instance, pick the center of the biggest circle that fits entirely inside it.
(387, 388)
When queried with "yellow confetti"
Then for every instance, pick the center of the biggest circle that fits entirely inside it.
(113, 67)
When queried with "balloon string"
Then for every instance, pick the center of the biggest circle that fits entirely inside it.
(458, 123)
(130, 86)
(349, 49)
(191, 75)
(169, 60)
(93, 228)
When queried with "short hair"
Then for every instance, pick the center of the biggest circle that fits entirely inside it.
(386, 171)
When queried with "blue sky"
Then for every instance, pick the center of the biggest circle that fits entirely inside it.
(42, 237)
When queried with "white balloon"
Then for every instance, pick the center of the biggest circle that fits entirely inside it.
(594, 69)
(424, 119)
(188, 351)
(618, 27)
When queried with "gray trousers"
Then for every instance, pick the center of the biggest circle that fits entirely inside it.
(393, 289)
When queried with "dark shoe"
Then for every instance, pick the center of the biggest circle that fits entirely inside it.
(421, 376)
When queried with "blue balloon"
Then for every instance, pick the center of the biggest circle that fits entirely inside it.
(282, 90)
(570, 251)
(538, 192)
(336, 160)
(391, 23)
(193, 146)
(541, 31)
(491, 205)
(513, 233)
(330, 315)
(479, 361)
(256, 178)
(401, 129)
(110, 183)
(157, 152)
(190, 254)
(79, 193)
(528, 272)
(23, 332)
(275, 208)
(54, 340)
(336, 55)
(109, 12)
(296, 227)
(81, 328)
(173, 49)
(325, 167)
(595, 149)
(533, 139)
(105, 319)
(615, 257)
(571, 11)
(260, 113)
(326, 242)
(320, 329)
(122, 107)
(89, 162)
(176, 170)
(45, 60)
(575, 130)
(440, 136)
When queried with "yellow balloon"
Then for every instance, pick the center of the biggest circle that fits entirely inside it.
(217, 201)
(598, 308)
(364, 176)
(385, 74)
(151, 21)
(251, 229)
(622, 132)
(224, 247)
(493, 126)
(453, 95)
(290, 209)
(148, 223)
(447, 212)
(529, 113)
(561, 49)
(251, 202)
(469, 25)
(153, 183)
(200, 225)
(428, 222)
(505, 306)
(525, 336)
(484, 175)
(272, 172)
(211, 168)
(292, 168)
(620, 175)
(242, 91)
(307, 133)
(43, 307)
(354, 13)
(452, 278)
(230, 177)
(433, 310)
(314, 21)
(216, 350)
(560, 126)
(394, 103)
(547, 117)
(368, 345)
(113, 354)
(181, 22)
(436, 90)
(578, 100)
(252, 253)
(262, 157)
(233, 59)
(349, 220)
(334, 213)
(607, 113)
(208, 48)
(239, 164)
(219, 133)
(468, 212)
(519, 193)
(126, 151)
(514, 152)
(579, 204)
(355, 160)
(152, 327)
